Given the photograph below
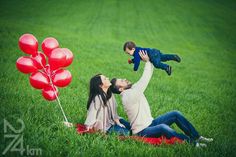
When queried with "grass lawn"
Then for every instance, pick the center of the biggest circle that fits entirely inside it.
(202, 87)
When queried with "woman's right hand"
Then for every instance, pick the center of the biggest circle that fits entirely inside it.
(121, 125)
(117, 121)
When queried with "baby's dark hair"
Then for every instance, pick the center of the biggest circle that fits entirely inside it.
(129, 45)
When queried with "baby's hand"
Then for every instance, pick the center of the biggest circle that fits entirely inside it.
(130, 61)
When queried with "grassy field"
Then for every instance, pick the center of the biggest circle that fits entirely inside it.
(202, 87)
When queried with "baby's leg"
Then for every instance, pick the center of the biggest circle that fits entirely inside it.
(155, 58)
(158, 64)
(169, 57)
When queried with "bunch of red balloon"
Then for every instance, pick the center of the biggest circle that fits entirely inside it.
(46, 77)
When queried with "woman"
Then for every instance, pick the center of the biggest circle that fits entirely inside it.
(102, 108)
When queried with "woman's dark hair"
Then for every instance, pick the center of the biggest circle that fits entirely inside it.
(96, 90)
(129, 45)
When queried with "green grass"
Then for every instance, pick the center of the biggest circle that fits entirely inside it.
(202, 87)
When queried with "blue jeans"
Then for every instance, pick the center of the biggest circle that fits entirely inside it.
(161, 126)
(156, 57)
(120, 130)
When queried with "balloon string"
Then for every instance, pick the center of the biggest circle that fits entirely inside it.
(58, 100)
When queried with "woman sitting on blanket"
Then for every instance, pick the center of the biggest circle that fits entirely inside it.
(102, 108)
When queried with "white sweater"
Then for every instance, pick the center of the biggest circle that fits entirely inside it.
(101, 117)
(135, 102)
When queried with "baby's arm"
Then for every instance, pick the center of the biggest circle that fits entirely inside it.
(136, 61)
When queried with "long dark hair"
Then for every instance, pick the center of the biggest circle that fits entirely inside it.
(95, 89)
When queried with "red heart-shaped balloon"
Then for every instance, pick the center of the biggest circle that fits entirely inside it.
(26, 65)
(28, 44)
(49, 93)
(57, 58)
(39, 80)
(61, 78)
(40, 60)
(69, 57)
(49, 44)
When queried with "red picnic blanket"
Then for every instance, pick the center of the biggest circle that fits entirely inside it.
(81, 129)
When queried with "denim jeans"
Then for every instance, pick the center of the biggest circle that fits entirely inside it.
(161, 126)
(120, 130)
(156, 57)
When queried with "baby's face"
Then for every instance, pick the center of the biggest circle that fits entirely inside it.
(130, 52)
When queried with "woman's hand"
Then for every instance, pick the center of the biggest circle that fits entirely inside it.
(144, 55)
(118, 123)
(121, 125)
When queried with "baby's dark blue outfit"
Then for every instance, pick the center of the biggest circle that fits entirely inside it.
(156, 58)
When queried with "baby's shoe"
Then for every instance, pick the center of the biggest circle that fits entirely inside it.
(168, 70)
(177, 58)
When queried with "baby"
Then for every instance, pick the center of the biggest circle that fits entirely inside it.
(156, 57)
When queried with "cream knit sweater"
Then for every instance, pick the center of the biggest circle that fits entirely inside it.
(135, 103)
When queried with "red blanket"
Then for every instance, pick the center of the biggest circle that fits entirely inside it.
(150, 140)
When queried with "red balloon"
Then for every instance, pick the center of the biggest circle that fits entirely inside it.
(26, 65)
(57, 58)
(69, 57)
(40, 60)
(39, 80)
(61, 78)
(49, 44)
(28, 44)
(49, 93)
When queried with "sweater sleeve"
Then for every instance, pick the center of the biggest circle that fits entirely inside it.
(142, 83)
(92, 113)
(115, 108)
